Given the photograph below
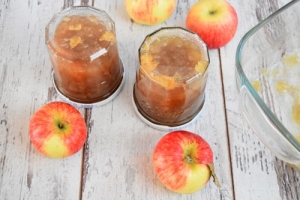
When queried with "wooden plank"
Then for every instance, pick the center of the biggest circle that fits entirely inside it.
(26, 85)
(257, 174)
(117, 159)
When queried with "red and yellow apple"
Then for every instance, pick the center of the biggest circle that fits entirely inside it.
(57, 130)
(150, 12)
(215, 21)
(183, 161)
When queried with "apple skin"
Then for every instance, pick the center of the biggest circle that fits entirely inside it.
(215, 21)
(181, 161)
(57, 130)
(150, 12)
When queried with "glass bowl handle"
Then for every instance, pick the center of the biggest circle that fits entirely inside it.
(266, 131)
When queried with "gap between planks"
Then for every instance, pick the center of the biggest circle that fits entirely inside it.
(226, 121)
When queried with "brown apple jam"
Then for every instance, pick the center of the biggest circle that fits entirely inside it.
(85, 58)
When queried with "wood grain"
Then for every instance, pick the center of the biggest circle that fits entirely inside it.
(119, 149)
(115, 162)
(25, 86)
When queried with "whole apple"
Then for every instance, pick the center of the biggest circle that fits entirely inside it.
(183, 161)
(215, 21)
(57, 130)
(150, 12)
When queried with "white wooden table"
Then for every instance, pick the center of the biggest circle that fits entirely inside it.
(115, 162)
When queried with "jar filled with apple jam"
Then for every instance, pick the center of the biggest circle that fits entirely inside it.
(170, 81)
(83, 50)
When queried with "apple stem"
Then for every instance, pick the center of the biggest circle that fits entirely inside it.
(212, 170)
(188, 159)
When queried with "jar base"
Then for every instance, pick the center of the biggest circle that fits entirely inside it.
(163, 127)
(94, 104)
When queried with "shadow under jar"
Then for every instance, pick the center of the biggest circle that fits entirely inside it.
(83, 49)
(171, 78)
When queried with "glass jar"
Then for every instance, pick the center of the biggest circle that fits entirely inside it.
(170, 81)
(82, 45)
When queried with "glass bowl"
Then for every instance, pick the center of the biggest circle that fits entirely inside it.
(268, 78)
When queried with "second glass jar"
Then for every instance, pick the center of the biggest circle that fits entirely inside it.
(171, 78)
